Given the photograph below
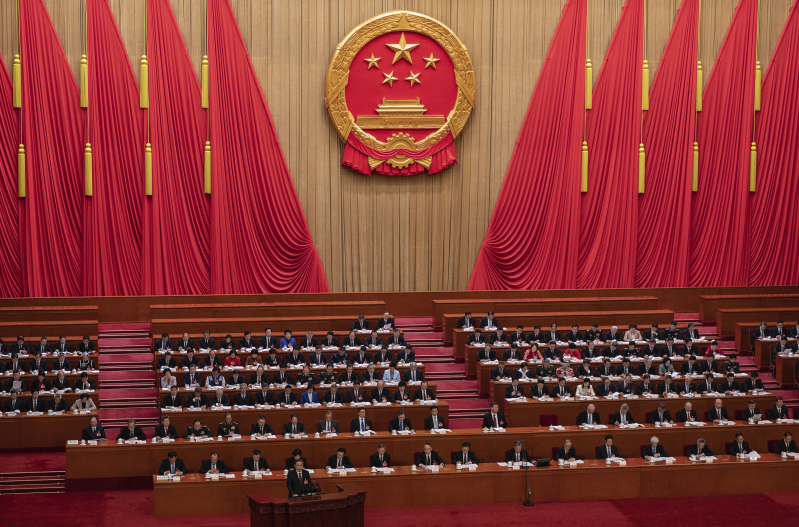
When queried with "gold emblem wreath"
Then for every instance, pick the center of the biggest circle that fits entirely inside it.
(396, 21)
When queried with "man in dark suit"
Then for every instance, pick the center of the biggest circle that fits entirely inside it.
(588, 417)
(465, 456)
(553, 333)
(214, 465)
(613, 335)
(699, 449)
(780, 330)
(360, 324)
(258, 377)
(57, 404)
(466, 321)
(423, 393)
(645, 386)
(754, 382)
(94, 431)
(778, 411)
(606, 370)
(396, 340)
(413, 374)
(718, 413)
(647, 368)
(666, 387)
(494, 419)
(339, 460)
(730, 384)
(690, 332)
(192, 378)
(381, 458)
(605, 387)
(584, 369)
(623, 416)
(294, 426)
(567, 452)
(20, 346)
(782, 347)
(626, 386)
(669, 349)
(190, 359)
(519, 336)
(653, 449)
(15, 365)
(164, 343)
(380, 393)
(206, 342)
(538, 388)
(686, 414)
(489, 321)
(355, 394)
(787, 444)
(686, 386)
(256, 463)
(43, 347)
(434, 421)
(243, 398)
(352, 341)
(361, 423)
(708, 385)
(261, 428)
(405, 355)
(486, 354)
(386, 322)
(750, 411)
(308, 341)
(281, 376)
(328, 425)
(608, 450)
(690, 366)
(286, 397)
(263, 396)
(475, 338)
(131, 432)
(574, 335)
(762, 332)
(268, 341)
(501, 373)
(374, 341)
(172, 465)
(35, 403)
(247, 342)
(661, 415)
(219, 398)
(429, 457)
(400, 423)
(652, 333)
(512, 353)
(185, 343)
(197, 399)
(709, 365)
(625, 368)
(362, 356)
(298, 479)
(329, 341)
(561, 390)
(739, 446)
(166, 361)
(514, 390)
(334, 395)
(37, 364)
(165, 429)
(517, 454)
(16, 382)
(14, 403)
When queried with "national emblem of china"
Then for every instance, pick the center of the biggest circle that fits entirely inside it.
(399, 90)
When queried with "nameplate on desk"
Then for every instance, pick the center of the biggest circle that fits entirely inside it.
(162, 478)
(73, 442)
(175, 479)
(434, 468)
(93, 443)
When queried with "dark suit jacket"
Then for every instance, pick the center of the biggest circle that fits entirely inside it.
(290, 462)
(126, 434)
(190, 401)
(653, 417)
(59, 407)
(682, 416)
(641, 388)
(428, 422)
(748, 414)
(435, 459)
(166, 466)
(294, 484)
(287, 428)
(281, 378)
(617, 418)
(374, 460)
(556, 391)
(282, 398)
(364, 358)
(169, 432)
(11, 406)
(582, 418)
(695, 368)
(602, 452)
(256, 429)
(571, 336)
(244, 344)
(320, 426)
(494, 322)
(356, 427)
(729, 387)
(662, 388)
(207, 344)
(742, 448)
(757, 384)
(268, 345)
(380, 395)
(777, 413)
(681, 388)
(470, 458)
(561, 454)
(649, 453)
(357, 325)
(538, 390)
(709, 367)
(394, 424)
(38, 407)
(159, 342)
(419, 375)
(693, 450)
(305, 344)
(623, 387)
(88, 436)
(464, 323)
(324, 342)
(249, 464)
(510, 455)
(688, 334)
(243, 401)
(488, 420)
(519, 391)
(185, 345)
(512, 354)
(703, 386)
(482, 355)
(220, 466)
(601, 390)
(381, 323)
(38, 366)
(417, 395)
(333, 398)
(332, 462)
(780, 448)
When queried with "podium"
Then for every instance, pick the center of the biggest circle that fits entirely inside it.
(340, 509)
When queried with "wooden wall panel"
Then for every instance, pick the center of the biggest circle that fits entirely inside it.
(377, 233)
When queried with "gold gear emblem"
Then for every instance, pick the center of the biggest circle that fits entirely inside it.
(397, 22)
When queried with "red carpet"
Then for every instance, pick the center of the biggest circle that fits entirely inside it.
(134, 508)
(35, 462)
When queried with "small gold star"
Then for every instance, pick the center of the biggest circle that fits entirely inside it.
(431, 61)
(402, 50)
(372, 62)
(390, 78)
(414, 78)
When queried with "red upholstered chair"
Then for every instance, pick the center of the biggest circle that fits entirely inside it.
(707, 415)
(772, 445)
(728, 447)
(642, 450)
(796, 413)
(554, 452)
(415, 457)
(548, 420)
(648, 416)
(596, 452)
(610, 419)
(244, 462)
(288, 460)
(452, 455)
(739, 415)
(685, 449)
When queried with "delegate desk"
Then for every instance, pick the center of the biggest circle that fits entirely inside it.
(51, 358)
(309, 416)
(239, 324)
(334, 509)
(727, 318)
(492, 483)
(496, 390)
(709, 304)
(93, 375)
(484, 368)
(785, 370)
(564, 320)
(473, 351)
(26, 433)
(266, 309)
(765, 348)
(444, 311)
(744, 333)
(529, 412)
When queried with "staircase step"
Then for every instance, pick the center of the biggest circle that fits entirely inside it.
(33, 489)
(48, 474)
(686, 317)
(411, 322)
(128, 358)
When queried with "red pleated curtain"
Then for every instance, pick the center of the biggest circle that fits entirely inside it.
(664, 209)
(774, 221)
(10, 271)
(538, 206)
(260, 241)
(609, 210)
(719, 250)
(112, 222)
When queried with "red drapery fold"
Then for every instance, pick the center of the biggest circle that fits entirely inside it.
(10, 271)
(53, 132)
(663, 235)
(719, 250)
(356, 156)
(176, 242)
(774, 252)
(260, 241)
(609, 210)
(112, 225)
(538, 206)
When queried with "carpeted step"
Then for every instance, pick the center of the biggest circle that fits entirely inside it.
(686, 317)
(469, 405)
(434, 351)
(5, 476)
(125, 327)
(413, 325)
(128, 358)
(464, 424)
(707, 331)
(422, 338)
(128, 394)
(34, 462)
(449, 367)
(124, 345)
(33, 489)
(129, 413)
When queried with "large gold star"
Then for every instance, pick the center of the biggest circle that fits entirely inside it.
(414, 78)
(390, 78)
(430, 61)
(402, 50)
(373, 62)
